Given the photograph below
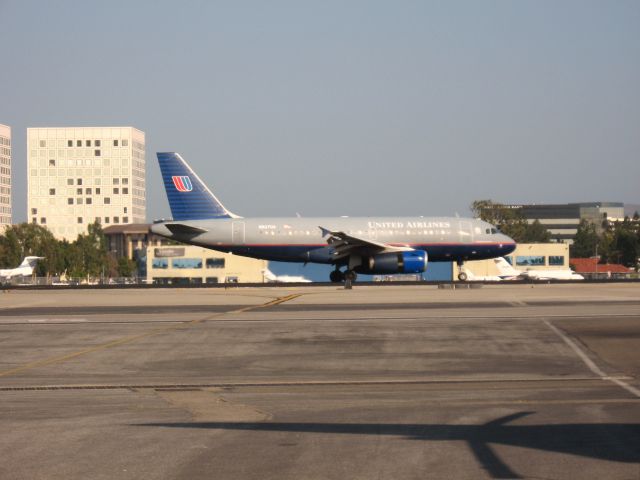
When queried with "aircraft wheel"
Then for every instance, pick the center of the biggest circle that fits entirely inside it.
(336, 276)
(462, 276)
(350, 275)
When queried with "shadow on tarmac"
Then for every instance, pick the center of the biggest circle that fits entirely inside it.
(607, 441)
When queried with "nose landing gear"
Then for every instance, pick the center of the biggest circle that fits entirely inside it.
(462, 276)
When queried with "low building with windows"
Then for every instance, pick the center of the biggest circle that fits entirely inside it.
(190, 265)
(527, 256)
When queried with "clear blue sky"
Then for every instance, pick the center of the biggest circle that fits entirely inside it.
(342, 107)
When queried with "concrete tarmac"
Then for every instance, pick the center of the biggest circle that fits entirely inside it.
(321, 383)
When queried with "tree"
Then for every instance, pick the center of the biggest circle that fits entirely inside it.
(126, 267)
(536, 233)
(585, 241)
(29, 239)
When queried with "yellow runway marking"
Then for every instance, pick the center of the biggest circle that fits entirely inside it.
(155, 331)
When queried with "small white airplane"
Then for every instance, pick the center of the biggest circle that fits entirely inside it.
(23, 270)
(271, 277)
(471, 277)
(506, 269)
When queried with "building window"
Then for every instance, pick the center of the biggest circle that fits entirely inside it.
(87, 191)
(215, 263)
(34, 211)
(34, 220)
(125, 143)
(125, 181)
(211, 280)
(43, 220)
(69, 181)
(97, 190)
(125, 210)
(43, 144)
(78, 201)
(107, 201)
(97, 143)
(125, 191)
(116, 181)
(530, 260)
(96, 153)
(78, 143)
(106, 219)
(115, 143)
(52, 162)
(52, 191)
(87, 143)
(78, 191)
(125, 219)
(557, 260)
(186, 263)
(79, 219)
(69, 143)
(88, 201)
(98, 220)
(116, 219)
(162, 263)
(69, 201)
(79, 182)
(116, 191)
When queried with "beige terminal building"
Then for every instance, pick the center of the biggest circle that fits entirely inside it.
(5, 177)
(526, 256)
(79, 175)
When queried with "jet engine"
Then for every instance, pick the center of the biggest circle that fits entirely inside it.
(401, 262)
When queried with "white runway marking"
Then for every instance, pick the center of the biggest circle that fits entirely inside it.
(56, 320)
(589, 363)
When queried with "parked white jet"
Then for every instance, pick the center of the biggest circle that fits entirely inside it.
(506, 269)
(24, 269)
(269, 276)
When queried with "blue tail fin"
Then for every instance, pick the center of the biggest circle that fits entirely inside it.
(189, 198)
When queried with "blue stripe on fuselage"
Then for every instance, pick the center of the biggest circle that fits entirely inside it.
(316, 254)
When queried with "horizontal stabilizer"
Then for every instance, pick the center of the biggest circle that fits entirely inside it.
(182, 229)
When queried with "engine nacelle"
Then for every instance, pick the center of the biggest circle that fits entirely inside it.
(401, 262)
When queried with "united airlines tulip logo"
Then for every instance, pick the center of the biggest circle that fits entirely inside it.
(182, 183)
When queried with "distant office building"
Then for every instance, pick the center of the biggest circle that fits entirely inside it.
(562, 220)
(5, 177)
(79, 175)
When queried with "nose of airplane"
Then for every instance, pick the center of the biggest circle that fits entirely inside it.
(507, 243)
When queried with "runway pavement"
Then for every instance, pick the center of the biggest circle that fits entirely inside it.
(304, 383)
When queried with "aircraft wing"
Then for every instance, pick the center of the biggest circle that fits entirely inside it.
(344, 245)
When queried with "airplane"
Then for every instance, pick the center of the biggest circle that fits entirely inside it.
(368, 245)
(24, 269)
(506, 269)
(272, 277)
(505, 273)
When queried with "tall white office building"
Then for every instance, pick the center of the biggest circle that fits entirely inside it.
(5, 177)
(80, 175)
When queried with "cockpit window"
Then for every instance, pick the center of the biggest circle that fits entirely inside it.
(494, 231)
(491, 231)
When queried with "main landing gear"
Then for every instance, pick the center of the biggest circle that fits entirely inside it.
(348, 277)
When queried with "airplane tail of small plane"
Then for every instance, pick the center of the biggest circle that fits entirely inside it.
(30, 262)
(189, 198)
(505, 268)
